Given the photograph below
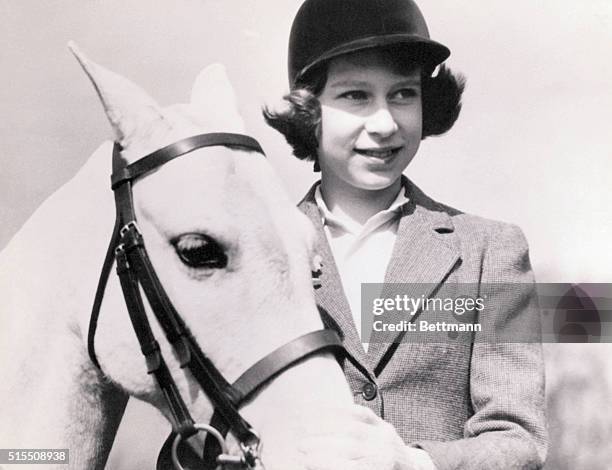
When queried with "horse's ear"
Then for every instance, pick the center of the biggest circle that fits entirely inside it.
(127, 106)
(213, 92)
(212, 84)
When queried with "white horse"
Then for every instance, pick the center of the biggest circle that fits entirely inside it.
(52, 396)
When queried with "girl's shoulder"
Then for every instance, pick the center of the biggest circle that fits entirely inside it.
(470, 229)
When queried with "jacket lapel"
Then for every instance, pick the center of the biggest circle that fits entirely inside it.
(424, 254)
(330, 295)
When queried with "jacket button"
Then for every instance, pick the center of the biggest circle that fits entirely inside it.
(369, 391)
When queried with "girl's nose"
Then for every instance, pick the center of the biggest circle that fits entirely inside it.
(381, 123)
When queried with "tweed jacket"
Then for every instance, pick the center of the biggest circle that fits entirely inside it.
(473, 405)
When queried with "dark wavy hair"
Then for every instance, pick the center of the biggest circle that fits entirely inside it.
(441, 95)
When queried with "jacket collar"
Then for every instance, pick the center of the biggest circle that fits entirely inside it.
(424, 253)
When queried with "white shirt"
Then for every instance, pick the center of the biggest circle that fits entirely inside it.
(361, 252)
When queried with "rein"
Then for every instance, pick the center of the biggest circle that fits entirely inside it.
(135, 271)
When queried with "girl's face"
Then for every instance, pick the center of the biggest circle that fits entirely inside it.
(371, 122)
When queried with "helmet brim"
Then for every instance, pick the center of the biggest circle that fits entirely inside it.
(425, 51)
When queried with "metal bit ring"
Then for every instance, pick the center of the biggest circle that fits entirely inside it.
(200, 427)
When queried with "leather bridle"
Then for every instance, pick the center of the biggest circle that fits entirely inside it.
(135, 271)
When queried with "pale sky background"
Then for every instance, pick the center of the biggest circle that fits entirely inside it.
(532, 147)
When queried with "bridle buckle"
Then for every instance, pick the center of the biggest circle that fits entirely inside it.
(131, 225)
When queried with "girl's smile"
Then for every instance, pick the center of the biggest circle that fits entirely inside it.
(381, 153)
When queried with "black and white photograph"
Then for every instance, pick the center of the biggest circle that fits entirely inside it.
(306, 235)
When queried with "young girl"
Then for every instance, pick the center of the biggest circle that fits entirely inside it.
(363, 96)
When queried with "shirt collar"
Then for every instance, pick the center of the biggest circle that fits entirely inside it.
(348, 225)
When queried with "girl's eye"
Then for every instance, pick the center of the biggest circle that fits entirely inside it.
(405, 94)
(200, 251)
(354, 95)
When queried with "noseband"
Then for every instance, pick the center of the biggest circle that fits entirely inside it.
(135, 271)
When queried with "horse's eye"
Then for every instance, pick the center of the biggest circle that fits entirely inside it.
(200, 251)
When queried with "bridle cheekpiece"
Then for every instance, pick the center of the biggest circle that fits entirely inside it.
(127, 249)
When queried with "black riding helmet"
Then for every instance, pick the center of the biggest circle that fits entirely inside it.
(323, 29)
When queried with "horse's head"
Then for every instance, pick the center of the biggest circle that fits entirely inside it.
(230, 249)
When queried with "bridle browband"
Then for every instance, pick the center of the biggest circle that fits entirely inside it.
(135, 271)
